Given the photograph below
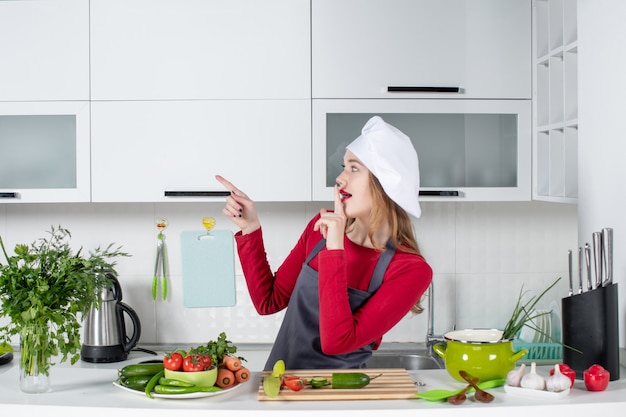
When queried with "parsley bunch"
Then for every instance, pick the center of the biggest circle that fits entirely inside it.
(47, 287)
(217, 349)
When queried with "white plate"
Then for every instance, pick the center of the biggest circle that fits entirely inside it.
(533, 393)
(179, 396)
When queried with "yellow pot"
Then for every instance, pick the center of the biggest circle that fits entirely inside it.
(480, 352)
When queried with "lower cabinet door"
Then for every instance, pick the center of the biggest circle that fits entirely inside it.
(156, 151)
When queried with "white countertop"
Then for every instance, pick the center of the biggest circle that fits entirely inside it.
(87, 390)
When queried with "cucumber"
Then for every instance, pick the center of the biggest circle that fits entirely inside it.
(141, 369)
(136, 387)
(318, 382)
(352, 380)
(135, 380)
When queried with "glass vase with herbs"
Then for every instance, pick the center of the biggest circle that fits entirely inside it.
(45, 290)
(524, 314)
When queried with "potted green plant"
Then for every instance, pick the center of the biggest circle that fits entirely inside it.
(45, 289)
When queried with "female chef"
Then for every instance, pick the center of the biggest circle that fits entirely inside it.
(355, 271)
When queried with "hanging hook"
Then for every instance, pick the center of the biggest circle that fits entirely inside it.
(208, 223)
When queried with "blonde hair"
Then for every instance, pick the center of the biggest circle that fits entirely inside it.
(385, 210)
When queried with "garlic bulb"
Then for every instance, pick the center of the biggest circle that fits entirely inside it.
(533, 380)
(514, 377)
(557, 382)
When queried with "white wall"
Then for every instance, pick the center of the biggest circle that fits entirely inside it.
(481, 253)
(601, 139)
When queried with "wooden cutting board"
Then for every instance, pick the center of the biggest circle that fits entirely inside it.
(393, 384)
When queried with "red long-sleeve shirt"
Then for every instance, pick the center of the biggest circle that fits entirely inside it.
(406, 279)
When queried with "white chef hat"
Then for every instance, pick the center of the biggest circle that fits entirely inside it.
(390, 156)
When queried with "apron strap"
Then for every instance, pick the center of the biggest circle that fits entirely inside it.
(379, 270)
(316, 249)
(381, 266)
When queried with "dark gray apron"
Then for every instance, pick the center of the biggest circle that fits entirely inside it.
(298, 340)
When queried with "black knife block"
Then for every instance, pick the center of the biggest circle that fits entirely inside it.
(590, 324)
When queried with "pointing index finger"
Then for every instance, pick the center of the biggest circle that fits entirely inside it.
(227, 184)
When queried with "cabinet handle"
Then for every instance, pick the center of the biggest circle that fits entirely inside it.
(9, 195)
(439, 193)
(400, 89)
(197, 193)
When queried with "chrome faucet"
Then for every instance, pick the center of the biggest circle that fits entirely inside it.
(431, 338)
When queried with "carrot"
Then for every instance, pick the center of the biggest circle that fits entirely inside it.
(242, 375)
(231, 362)
(225, 378)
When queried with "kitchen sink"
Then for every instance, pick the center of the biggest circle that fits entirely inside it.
(409, 362)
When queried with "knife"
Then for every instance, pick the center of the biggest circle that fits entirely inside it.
(588, 265)
(580, 270)
(607, 255)
(597, 257)
(571, 280)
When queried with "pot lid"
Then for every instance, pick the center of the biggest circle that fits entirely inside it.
(475, 335)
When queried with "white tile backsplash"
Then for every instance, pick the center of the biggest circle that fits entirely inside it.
(481, 254)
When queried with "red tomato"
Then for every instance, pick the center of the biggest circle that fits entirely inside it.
(191, 363)
(567, 371)
(284, 378)
(205, 361)
(295, 384)
(173, 361)
(596, 378)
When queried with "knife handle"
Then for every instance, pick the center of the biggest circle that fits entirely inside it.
(569, 265)
(597, 257)
(580, 270)
(588, 266)
(607, 255)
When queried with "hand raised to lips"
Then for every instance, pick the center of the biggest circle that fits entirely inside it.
(332, 224)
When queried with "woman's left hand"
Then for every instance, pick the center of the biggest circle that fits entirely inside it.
(332, 224)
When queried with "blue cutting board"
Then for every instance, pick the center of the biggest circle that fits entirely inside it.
(208, 261)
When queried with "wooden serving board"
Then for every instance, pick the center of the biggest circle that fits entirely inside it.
(393, 384)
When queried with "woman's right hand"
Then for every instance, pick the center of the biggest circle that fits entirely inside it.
(239, 208)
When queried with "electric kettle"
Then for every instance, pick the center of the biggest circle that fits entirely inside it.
(104, 332)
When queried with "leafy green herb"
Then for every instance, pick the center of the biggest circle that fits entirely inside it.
(217, 349)
(48, 287)
(524, 313)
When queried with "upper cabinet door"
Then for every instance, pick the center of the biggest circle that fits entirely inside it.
(468, 150)
(44, 152)
(44, 50)
(171, 150)
(200, 49)
(361, 48)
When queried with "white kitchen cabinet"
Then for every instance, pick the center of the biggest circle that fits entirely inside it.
(555, 112)
(361, 48)
(44, 152)
(143, 149)
(200, 49)
(44, 50)
(469, 150)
